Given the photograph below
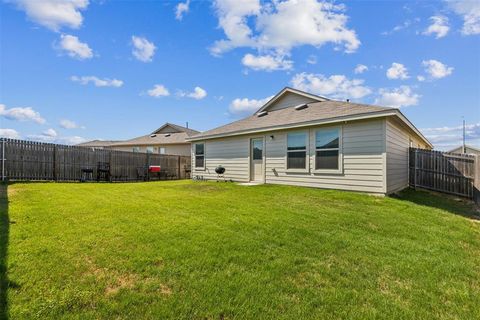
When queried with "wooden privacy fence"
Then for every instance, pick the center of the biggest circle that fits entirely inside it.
(29, 160)
(445, 172)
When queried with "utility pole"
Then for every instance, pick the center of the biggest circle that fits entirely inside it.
(464, 146)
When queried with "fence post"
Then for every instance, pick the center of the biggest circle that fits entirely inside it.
(54, 162)
(147, 165)
(179, 172)
(3, 159)
(415, 171)
(476, 179)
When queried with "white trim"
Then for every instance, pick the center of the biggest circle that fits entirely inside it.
(290, 90)
(194, 152)
(340, 151)
(250, 158)
(307, 152)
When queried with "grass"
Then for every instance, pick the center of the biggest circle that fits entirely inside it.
(205, 250)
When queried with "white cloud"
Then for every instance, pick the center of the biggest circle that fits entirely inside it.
(21, 114)
(335, 86)
(9, 133)
(282, 25)
(47, 136)
(54, 14)
(143, 49)
(450, 137)
(439, 27)
(158, 90)
(397, 71)
(469, 10)
(360, 68)
(74, 47)
(50, 133)
(397, 28)
(198, 93)
(421, 78)
(245, 105)
(397, 98)
(181, 9)
(266, 62)
(436, 70)
(105, 82)
(69, 124)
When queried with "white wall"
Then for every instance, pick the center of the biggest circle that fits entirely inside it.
(363, 159)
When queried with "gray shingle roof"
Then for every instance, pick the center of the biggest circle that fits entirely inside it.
(97, 143)
(161, 138)
(316, 111)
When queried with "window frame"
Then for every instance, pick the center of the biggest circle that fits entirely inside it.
(340, 150)
(307, 152)
(194, 153)
(150, 149)
(160, 149)
(136, 149)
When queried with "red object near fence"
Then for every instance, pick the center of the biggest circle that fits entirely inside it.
(154, 169)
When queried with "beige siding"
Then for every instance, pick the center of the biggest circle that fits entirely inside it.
(399, 139)
(175, 149)
(363, 159)
(232, 153)
(289, 100)
(398, 142)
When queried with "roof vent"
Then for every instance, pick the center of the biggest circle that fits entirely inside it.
(301, 106)
(167, 135)
(261, 114)
(153, 135)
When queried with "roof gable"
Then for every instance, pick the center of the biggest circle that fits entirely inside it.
(174, 128)
(290, 97)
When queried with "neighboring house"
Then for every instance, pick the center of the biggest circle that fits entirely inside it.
(301, 139)
(168, 139)
(97, 144)
(468, 150)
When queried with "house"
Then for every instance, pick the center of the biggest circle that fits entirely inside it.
(298, 138)
(97, 144)
(168, 139)
(468, 150)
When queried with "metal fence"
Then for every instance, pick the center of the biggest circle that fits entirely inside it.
(445, 172)
(29, 160)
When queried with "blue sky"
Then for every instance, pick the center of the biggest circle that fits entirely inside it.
(80, 70)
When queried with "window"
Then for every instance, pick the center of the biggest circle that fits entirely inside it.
(149, 149)
(136, 149)
(199, 155)
(162, 150)
(297, 150)
(327, 149)
(257, 148)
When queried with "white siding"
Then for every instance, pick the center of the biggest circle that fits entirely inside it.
(288, 100)
(363, 159)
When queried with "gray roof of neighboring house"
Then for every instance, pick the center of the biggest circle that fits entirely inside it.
(315, 111)
(97, 143)
(175, 135)
(459, 149)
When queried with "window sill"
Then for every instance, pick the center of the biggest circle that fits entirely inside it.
(328, 171)
(199, 169)
(297, 171)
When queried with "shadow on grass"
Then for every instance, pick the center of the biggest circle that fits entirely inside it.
(452, 204)
(4, 229)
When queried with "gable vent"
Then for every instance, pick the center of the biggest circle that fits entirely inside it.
(153, 135)
(167, 135)
(261, 114)
(301, 106)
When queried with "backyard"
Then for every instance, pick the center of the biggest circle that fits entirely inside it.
(206, 250)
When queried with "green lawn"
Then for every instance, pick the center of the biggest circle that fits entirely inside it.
(206, 250)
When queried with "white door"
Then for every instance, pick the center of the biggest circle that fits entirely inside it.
(256, 162)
